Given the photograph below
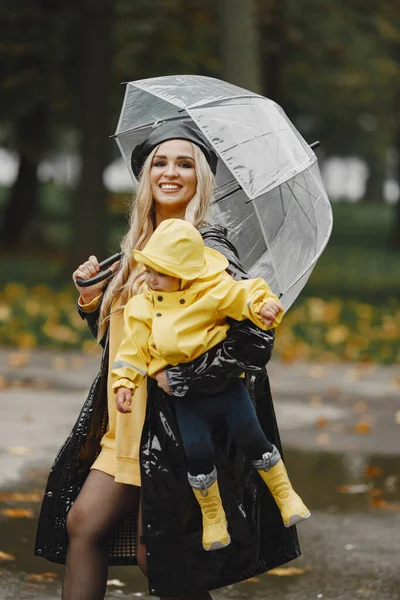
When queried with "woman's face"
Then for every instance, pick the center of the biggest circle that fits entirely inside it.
(173, 177)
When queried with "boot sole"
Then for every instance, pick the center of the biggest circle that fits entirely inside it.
(218, 545)
(295, 519)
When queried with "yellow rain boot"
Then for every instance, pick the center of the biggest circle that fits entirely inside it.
(274, 474)
(215, 526)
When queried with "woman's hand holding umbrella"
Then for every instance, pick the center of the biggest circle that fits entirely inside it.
(86, 271)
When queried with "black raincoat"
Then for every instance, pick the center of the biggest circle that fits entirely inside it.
(177, 564)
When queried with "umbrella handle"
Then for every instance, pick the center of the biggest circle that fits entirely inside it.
(103, 274)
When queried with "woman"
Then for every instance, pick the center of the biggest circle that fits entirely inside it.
(127, 479)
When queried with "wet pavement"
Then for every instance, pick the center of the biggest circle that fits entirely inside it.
(340, 428)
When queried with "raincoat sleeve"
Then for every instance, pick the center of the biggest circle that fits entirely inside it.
(90, 313)
(246, 347)
(244, 299)
(132, 359)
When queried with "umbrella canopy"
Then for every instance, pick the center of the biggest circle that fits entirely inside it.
(269, 192)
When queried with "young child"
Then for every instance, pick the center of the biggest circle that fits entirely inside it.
(182, 314)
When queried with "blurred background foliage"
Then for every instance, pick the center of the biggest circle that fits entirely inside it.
(334, 66)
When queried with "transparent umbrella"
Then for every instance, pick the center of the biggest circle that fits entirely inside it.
(269, 192)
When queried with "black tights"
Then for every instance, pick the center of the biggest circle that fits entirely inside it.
(101, 504)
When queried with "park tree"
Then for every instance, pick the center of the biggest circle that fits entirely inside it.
(239, 42)
(28, 29)
(94, 19)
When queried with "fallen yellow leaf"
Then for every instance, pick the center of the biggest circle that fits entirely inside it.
(18, 513)
(286, 571)
(323, 439)
(337, 335)
(5, 312)
(251, 580)
(78, 362)
(59, 363)
(18, 359)
(6, 556)
(360, 407)
(384, 504)
(371, 471)
(42, 577)
(19, 497)
(316, 372)
(19, 450)
(315, 400)
(359, 488)
(362, 427)
(376, 493)
(321, 422)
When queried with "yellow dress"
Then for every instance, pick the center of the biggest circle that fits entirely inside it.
(120, 444)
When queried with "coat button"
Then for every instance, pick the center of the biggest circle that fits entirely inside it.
(148, 526)
(181, 301)
(158, 314)
(159, 298)
(179, 388)
(49, 494)
(39, 551)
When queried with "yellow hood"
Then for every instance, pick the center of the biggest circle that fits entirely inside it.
(176, 248)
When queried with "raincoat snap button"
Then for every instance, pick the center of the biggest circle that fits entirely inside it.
(149, 526)
(158, 315)
(39, 551)
(159, 298)
(181, 301)
(49, 494)
(179, 388)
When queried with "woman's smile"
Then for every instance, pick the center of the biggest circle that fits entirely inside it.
(170, 187)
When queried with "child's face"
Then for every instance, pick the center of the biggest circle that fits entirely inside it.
(160, 282)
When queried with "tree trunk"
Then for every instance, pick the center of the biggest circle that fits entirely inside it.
(272, 49)
(239, 44)
(89, 223)
(23, 202)
(375, 179)
(394, 240)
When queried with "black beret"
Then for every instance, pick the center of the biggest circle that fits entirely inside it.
(172, 130)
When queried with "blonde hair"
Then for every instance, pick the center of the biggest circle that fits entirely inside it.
(142, 219)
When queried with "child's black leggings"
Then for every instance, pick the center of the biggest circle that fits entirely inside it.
(199, 416)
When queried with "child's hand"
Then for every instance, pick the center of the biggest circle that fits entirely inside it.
(123, 399)
(270, 311)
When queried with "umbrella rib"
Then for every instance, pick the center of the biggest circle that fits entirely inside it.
(305, 189)
(299, 205)
(257, 212)
(208, 103)
(321, 249)
(139, 128)
(254, 138)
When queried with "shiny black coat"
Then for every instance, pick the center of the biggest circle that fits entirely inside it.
(177, 563)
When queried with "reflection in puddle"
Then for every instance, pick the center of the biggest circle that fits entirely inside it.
(344, 482)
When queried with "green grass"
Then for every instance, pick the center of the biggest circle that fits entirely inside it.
(358, 261)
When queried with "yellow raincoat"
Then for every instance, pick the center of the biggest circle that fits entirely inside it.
(168, 328)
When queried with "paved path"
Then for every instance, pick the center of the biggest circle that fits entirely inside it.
(338, 422)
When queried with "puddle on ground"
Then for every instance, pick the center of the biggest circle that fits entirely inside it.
(348, 484)
(353, 482)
